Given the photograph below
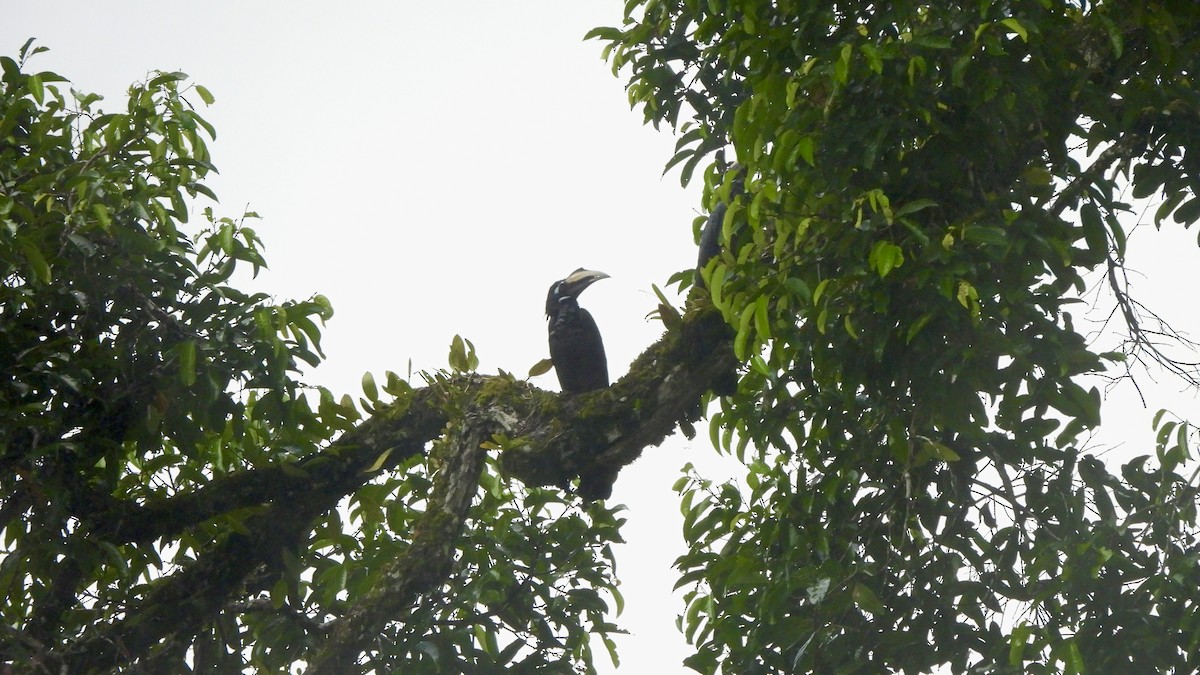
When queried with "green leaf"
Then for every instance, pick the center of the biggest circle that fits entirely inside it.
(806, 147)
(324, 307)
(820, 291)
(680, 156)
(1016, 644)
(884, 257)
(205, 95)
(379, 461)
(741, 341)
(369, 388)
(1073, 658)
(1075, 401)
(38, 264)
(472, 358)
(716, 284)
(1118, 234)
(11, 70)
(841, 67)
(666, 312)
(603, 33)
(940, 450)
(1093, 230)
(915, 206)
(916, 327)
(761, 322)
(958, 73)
(967, 295)
(279, 593)
(36, 89)
(850, 329)
(1188, 213)
(102, 215)
(611, 647)
(995, 236)
(1016, 27)
(166, 78)
(541, 367)
(458, 355)
(1115, 36)
(187, 362)
(866, 599)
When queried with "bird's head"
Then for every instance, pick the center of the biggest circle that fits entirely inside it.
(570, 287)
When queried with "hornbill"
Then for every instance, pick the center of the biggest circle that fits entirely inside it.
(710, 240)
(576, 349)
(710, 236)
(726, 383)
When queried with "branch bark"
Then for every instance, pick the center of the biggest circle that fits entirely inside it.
(427, 561)
(559, 437)
(333, 472)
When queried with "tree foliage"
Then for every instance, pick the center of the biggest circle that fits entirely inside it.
(926, 188)
(922, 194)
(175, 497)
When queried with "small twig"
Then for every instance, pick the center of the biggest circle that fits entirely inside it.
(1121, 149)
(265, 606)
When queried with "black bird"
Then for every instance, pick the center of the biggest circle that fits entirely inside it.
(710, 236)
(710, 240)
(575, 345)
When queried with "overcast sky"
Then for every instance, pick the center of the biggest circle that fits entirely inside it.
(431, 167)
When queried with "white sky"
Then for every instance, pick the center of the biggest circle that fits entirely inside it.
(431, 168)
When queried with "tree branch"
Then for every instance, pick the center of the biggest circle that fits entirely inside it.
(591, 435)
(672, 373)
(594, 435)
(1125, 148)
(430, 557)
(181, 602)
(335, 471)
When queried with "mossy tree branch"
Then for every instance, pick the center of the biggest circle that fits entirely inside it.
(559, 438)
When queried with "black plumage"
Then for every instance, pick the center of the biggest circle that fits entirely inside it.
(576, 348)
(710, 240)
(710, 236)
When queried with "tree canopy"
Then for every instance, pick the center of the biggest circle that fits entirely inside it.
(914, 198)
(925, 189)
